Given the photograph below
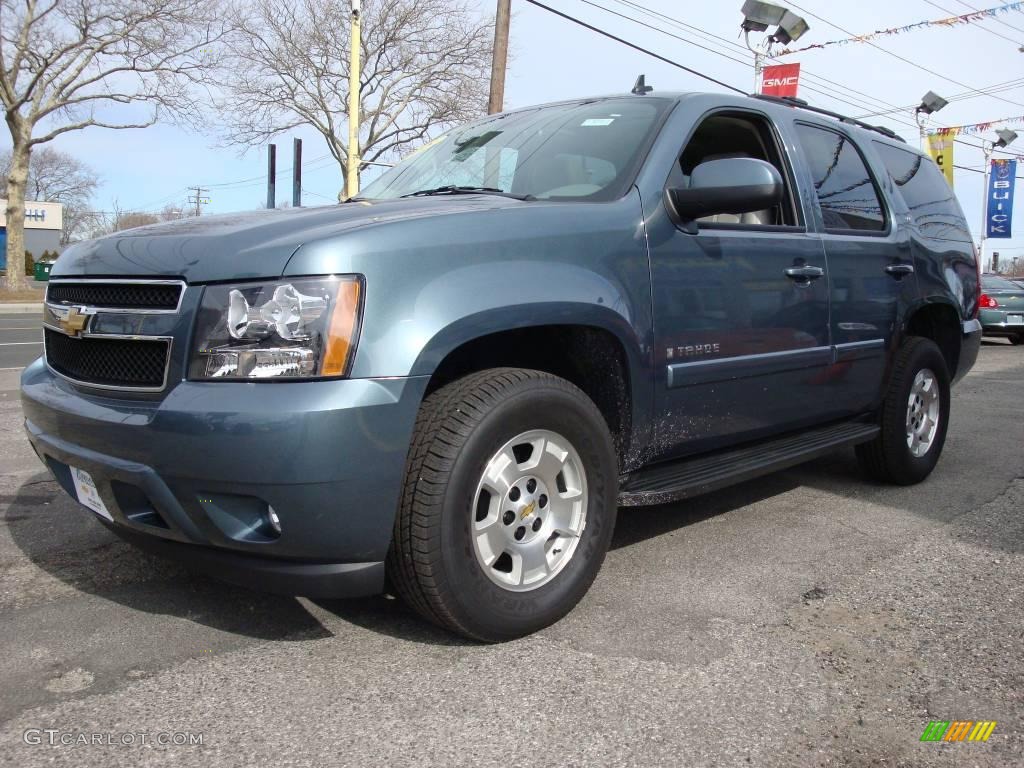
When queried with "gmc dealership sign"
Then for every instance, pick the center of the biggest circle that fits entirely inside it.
(780, 80)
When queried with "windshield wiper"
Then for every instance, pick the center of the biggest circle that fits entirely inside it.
(452, 189)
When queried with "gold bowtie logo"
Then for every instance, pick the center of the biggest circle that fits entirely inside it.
(527, 510)
(74, 322)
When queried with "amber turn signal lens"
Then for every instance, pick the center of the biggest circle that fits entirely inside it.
(342, 330)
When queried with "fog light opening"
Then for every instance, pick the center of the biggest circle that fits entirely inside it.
(275, 521)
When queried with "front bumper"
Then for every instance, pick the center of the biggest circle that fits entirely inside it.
(194, 475)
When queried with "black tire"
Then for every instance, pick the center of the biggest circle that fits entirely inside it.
(1017, 340)
(888, 457)
(431, 562)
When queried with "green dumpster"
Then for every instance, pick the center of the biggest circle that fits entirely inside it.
(42, 271)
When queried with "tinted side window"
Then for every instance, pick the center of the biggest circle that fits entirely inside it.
(931, 202)
(846, 192)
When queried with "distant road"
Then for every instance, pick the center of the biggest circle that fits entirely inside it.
(21, 339)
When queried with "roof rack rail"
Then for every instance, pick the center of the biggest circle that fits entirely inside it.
(792, 101)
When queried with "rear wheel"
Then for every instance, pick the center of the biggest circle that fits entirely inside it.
(1017, 339)
(509, 504)
(914, 417)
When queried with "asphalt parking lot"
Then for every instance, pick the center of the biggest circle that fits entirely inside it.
(808, 618)
(21, 340)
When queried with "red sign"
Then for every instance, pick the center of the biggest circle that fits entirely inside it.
(780, 80)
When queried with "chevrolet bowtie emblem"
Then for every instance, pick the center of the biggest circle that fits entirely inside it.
(74, 322)
(528, 510)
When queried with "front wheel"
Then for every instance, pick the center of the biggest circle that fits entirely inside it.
(509, 504)
(1017, 339)
(914, 417)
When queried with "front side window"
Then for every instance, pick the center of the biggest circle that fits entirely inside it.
(736, 135)
(846, 191)
(579, 151)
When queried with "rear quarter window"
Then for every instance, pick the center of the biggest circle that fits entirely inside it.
(931, 203)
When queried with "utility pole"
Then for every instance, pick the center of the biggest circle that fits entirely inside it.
(352, 162)
(296, 173)
(198, 200)
(272, 176)
(499, 57)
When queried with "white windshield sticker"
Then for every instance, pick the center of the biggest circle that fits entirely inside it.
(598, 121)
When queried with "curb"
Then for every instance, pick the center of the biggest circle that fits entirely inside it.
(20, 308)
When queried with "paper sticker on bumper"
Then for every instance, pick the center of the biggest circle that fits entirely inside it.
(87, 492)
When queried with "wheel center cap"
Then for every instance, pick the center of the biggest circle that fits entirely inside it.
(528, 510)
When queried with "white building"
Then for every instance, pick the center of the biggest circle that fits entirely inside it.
(43, 225)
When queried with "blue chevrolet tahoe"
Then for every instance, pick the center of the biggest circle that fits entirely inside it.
(447, 386)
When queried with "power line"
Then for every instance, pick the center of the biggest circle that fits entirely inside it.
(856, 103)
(255, 181)
(742, 62)
(978, 23)
(632, 45)
(636, 47)
(989, 90)
(894, 55)
(734, 47)
(976, 170)
(317, 194)
(999, 21)
(830, 94)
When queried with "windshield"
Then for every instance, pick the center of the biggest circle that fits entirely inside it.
(579, 151)
(991, 283)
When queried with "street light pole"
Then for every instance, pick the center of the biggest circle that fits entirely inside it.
(352, 161)
(758, 61)
(757, 17)
(986, 148)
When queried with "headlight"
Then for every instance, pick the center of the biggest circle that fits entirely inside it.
(303, 328)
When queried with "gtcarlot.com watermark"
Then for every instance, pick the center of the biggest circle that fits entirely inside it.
(55, 737)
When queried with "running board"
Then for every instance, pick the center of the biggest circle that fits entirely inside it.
(691, 477)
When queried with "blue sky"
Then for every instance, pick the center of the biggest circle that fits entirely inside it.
(553, 59)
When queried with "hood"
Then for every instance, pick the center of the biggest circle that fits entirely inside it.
(245, 245)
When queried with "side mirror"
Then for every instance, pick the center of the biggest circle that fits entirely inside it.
(733, 185)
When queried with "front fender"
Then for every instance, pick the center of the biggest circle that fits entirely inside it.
(436, 282)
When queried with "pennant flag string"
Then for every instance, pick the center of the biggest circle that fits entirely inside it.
(956, 130)
(951, 21)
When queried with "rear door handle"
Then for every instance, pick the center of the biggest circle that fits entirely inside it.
(805, 274)
(900, 270)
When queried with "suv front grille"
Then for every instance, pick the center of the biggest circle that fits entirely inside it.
(140, 296)
(108, 362)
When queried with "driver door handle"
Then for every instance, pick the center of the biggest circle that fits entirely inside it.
(899, 270)
(804, 274)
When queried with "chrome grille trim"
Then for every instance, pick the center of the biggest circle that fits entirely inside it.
(60, 281)
(55, 310)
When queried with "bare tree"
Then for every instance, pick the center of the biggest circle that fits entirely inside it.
(100, 223)
(425, 67)
(66, 65)
(57, 177)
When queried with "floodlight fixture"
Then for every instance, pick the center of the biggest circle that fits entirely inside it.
(791, 27)
(931, 102)
(1006, 137)
(757, 16)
